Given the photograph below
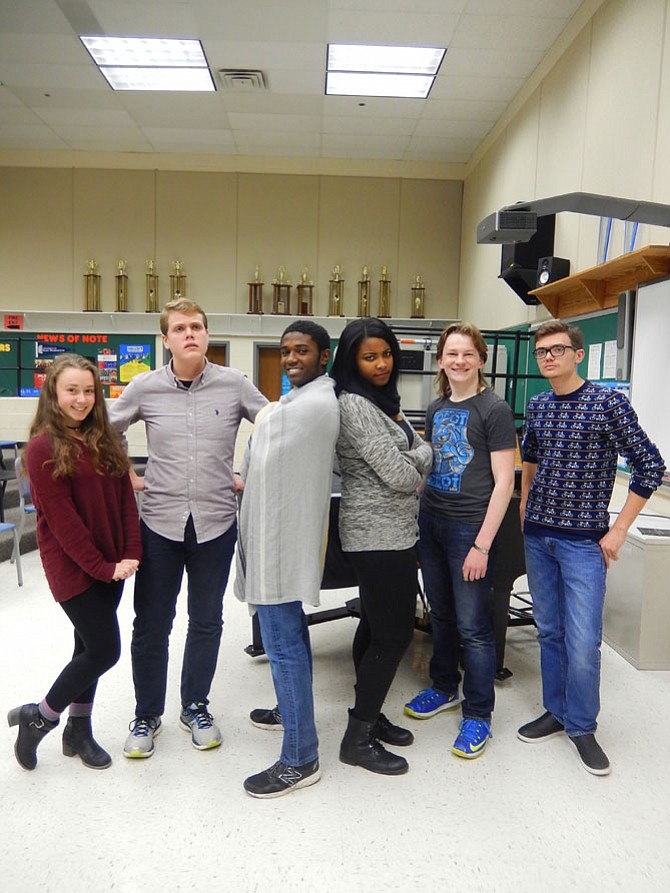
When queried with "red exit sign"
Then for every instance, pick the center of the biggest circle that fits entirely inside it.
(13, 321)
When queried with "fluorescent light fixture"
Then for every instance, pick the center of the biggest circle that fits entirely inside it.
(347, 83)
(355, 70)
(145, 63)
(389, 60)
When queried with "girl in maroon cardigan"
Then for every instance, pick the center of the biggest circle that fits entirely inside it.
(89, 541)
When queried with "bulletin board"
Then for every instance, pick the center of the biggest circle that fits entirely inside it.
(25, 359)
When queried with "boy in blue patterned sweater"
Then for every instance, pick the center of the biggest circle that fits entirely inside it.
(574, 433)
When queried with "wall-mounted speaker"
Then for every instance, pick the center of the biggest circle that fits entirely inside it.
(519, 260)
(549, 269)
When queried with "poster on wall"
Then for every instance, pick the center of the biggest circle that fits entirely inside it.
(134, 359)
(119, 358)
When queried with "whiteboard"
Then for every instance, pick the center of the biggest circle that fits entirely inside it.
(650, 369)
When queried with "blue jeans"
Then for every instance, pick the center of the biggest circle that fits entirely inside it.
(566, 578)
(157, 585)
(286, 641)
(460, 614)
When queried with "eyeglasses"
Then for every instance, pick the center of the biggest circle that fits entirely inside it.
(556, 350)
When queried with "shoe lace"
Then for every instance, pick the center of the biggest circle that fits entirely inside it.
(473, 730)
(201, 716)
(143, 726)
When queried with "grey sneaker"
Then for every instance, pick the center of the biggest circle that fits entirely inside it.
(197, 720)
(269, 719)
(140, 743)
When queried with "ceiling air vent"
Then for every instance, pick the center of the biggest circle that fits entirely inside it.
(241, 80)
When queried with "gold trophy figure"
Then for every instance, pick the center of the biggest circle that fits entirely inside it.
(92, 287)
(256, 292)
(305, 289)
(364, 293)
(384, 295)
(418, 298)
(177, 281)
(121, 286)
(281, 293)
(152, 287)
(336, 292)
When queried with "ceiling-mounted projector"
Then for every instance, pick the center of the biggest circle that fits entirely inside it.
(507, 226)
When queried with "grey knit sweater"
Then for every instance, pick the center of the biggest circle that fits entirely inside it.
(380, 477)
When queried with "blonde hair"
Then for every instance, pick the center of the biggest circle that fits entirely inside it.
(469, 331)
(180, 305)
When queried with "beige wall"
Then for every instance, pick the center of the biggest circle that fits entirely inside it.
(221, 225)
(598, 121)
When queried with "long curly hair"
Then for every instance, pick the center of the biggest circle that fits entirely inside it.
(96, 432)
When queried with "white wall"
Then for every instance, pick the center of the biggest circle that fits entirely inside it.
(221, 225)
(598, 121)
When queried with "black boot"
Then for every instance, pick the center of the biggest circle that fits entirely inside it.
(32, 728)
(360, 748)
(385, 731)
(78, 741)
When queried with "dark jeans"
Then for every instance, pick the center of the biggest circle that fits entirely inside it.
(97, 644)
(460, 614)
(388, 586)
(157, 585)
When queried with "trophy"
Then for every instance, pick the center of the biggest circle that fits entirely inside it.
(91, 287)
(364, 293)
(152, 287)
(256, 293)
(384, 295)
(336, 292)
(177, 281)
(305, 288)
(121, 283)
(418, 298)
(281, 293)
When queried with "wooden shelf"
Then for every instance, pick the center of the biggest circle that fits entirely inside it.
(598, 288)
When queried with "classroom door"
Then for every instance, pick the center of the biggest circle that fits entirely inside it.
(269, 372)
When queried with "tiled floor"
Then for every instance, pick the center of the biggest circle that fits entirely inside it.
(521, 818)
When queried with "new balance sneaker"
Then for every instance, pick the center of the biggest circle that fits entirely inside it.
(472, 738)
(269, 719)
(197, 720)
(430, 702)
(140, 743)
(281, 779)
(593, 757)
(540, 729)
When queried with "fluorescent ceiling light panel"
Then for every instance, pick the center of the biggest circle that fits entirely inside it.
(146, 63)
(380, 59)
(345, 83)
(354, 70)
(175, 79)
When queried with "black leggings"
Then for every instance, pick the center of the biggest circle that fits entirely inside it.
(388, 588)
(97, 644)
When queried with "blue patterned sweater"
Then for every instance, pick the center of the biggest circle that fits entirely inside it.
(574, 439)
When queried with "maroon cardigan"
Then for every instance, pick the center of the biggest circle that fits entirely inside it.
(85, 523)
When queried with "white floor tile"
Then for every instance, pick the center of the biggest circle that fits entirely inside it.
(521, 818)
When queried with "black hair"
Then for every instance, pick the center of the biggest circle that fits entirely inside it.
(345, 372)
(316, 332)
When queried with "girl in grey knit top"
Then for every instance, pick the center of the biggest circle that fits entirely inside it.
(383, 462)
